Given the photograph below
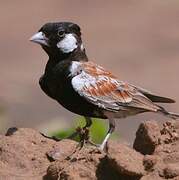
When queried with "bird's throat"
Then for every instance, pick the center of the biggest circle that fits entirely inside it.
(76, 55)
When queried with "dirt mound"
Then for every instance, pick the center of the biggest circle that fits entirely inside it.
(26, 154)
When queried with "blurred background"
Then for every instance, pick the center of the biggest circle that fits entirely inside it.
(137, 40)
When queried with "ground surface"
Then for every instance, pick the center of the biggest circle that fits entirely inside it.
(26, 154)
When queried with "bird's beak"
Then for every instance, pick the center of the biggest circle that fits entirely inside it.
(40, 38)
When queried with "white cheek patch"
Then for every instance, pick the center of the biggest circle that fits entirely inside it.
(68, 43)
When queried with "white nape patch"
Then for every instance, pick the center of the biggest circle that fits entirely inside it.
(68, 43)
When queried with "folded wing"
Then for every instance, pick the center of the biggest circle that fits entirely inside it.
(104, 90)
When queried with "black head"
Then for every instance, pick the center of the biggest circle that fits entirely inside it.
(59, 38)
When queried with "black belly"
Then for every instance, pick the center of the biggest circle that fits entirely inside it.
(63, 92)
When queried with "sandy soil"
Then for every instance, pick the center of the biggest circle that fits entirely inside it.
(26, 154)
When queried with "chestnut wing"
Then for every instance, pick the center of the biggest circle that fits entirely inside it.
(104, 90)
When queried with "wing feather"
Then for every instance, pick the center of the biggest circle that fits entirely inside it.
(104, 90)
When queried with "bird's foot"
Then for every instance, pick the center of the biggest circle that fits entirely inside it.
(84, 137)
(84, 140)
(83, 133)
(103, 147)
(51, 137)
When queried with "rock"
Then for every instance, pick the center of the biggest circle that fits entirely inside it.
(171, 171)
(125, 160)
(23, 153)
(62, 149)
(147, 137)
(149, 162)
(26, 154)
(169, 132)
(81, 165)
(152, 176)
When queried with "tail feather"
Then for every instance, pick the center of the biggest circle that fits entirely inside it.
(153, 97)
(168, 114)
(159, 99)
(173, 115)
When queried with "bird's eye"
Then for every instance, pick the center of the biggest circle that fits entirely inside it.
(61, 33)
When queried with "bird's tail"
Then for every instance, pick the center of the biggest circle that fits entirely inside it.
(168, 114)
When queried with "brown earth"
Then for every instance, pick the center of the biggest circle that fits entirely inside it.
(26, 154)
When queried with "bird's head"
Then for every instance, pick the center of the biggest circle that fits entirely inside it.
(59, 38)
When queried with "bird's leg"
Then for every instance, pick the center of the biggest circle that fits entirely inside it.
(84, 137)
(110, 131)
(84, 132)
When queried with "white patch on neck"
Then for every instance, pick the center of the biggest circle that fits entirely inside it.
(68, 43)
(75, 68)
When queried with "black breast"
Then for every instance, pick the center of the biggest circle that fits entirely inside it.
(56, 83)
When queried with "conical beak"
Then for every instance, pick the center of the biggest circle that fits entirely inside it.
(40, 38)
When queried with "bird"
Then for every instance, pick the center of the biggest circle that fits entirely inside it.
(86, 88)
